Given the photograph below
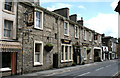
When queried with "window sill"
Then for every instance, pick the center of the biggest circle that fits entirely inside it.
(38, 64)
(9, 12)
(66, 35)
(38, 28)
(5, 69)
(76, 37)
(66, 61)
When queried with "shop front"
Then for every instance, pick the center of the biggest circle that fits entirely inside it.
(8, 53)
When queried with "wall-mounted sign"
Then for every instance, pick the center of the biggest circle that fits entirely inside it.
(65, 41)
(30, 19)
(85, 44)
(95, 37)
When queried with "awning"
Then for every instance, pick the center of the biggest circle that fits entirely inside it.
(6, 46)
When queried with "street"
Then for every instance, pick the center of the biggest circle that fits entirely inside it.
(105, 69)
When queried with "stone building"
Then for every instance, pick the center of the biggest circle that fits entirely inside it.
(112, 44)
(51, 39)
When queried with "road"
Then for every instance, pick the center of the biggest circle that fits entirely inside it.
(104, 69)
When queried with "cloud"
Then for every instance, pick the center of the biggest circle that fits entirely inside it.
(104, 23)
(114, 4)
(58, 6)
(82, 7)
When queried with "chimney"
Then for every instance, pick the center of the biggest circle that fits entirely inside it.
(63, 11)
(103, 35)
(73, 17)
(80, 21)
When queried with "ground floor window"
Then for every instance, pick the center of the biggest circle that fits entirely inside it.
(38, 53)
(84, 53)
(6, 59)
(66, 53)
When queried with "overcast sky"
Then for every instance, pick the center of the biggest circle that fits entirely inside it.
(98, 15)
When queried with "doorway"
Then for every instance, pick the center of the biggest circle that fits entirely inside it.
(55, 60)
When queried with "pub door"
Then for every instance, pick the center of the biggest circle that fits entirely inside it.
(55, 60)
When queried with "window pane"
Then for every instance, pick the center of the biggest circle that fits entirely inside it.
(6, 59)
(7, 28)
(65, 28)
(38, 18)
(66, 52)
(8, 33)
(37, 47)
(70, 53)
(37, 23)
(62, 53)
(8, 6)
(37, 57)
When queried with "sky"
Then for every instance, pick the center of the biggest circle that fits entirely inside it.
(98, 15)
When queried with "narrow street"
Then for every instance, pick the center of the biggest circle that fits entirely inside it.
(105, 69)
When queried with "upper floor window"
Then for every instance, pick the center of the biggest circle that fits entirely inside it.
(8, 5)
(39, 20)
(99, 39)
(84, 34)
(90, 36)
(66, 28)
(76, 32)
(8, 28)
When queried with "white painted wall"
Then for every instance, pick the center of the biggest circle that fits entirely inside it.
(8, 16)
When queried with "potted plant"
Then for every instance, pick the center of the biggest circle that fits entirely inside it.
(48, 47)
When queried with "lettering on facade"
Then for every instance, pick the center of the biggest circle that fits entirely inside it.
(65, 41)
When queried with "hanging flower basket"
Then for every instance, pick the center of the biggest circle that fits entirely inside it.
(48, 47)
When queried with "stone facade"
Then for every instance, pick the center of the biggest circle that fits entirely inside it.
(75, 45)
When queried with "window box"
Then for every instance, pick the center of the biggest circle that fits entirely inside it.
(48, 47)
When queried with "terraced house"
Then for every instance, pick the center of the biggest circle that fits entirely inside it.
(50, 39)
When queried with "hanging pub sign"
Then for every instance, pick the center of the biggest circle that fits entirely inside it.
(65, 41)
(30, 19)
(95, 37)
(85, 44)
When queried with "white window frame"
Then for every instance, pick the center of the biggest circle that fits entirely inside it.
(11, 32)
(67, 28)
(76, 35)
(84, 53)
(68, 53)
(41, 19)
(90, 36)
(12, 8)
(84, 34)
(99, 38)
(41, 53)
(91, 54)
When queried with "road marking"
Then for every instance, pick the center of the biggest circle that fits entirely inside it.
(84, 74)
(108, 66)
(99, 69)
